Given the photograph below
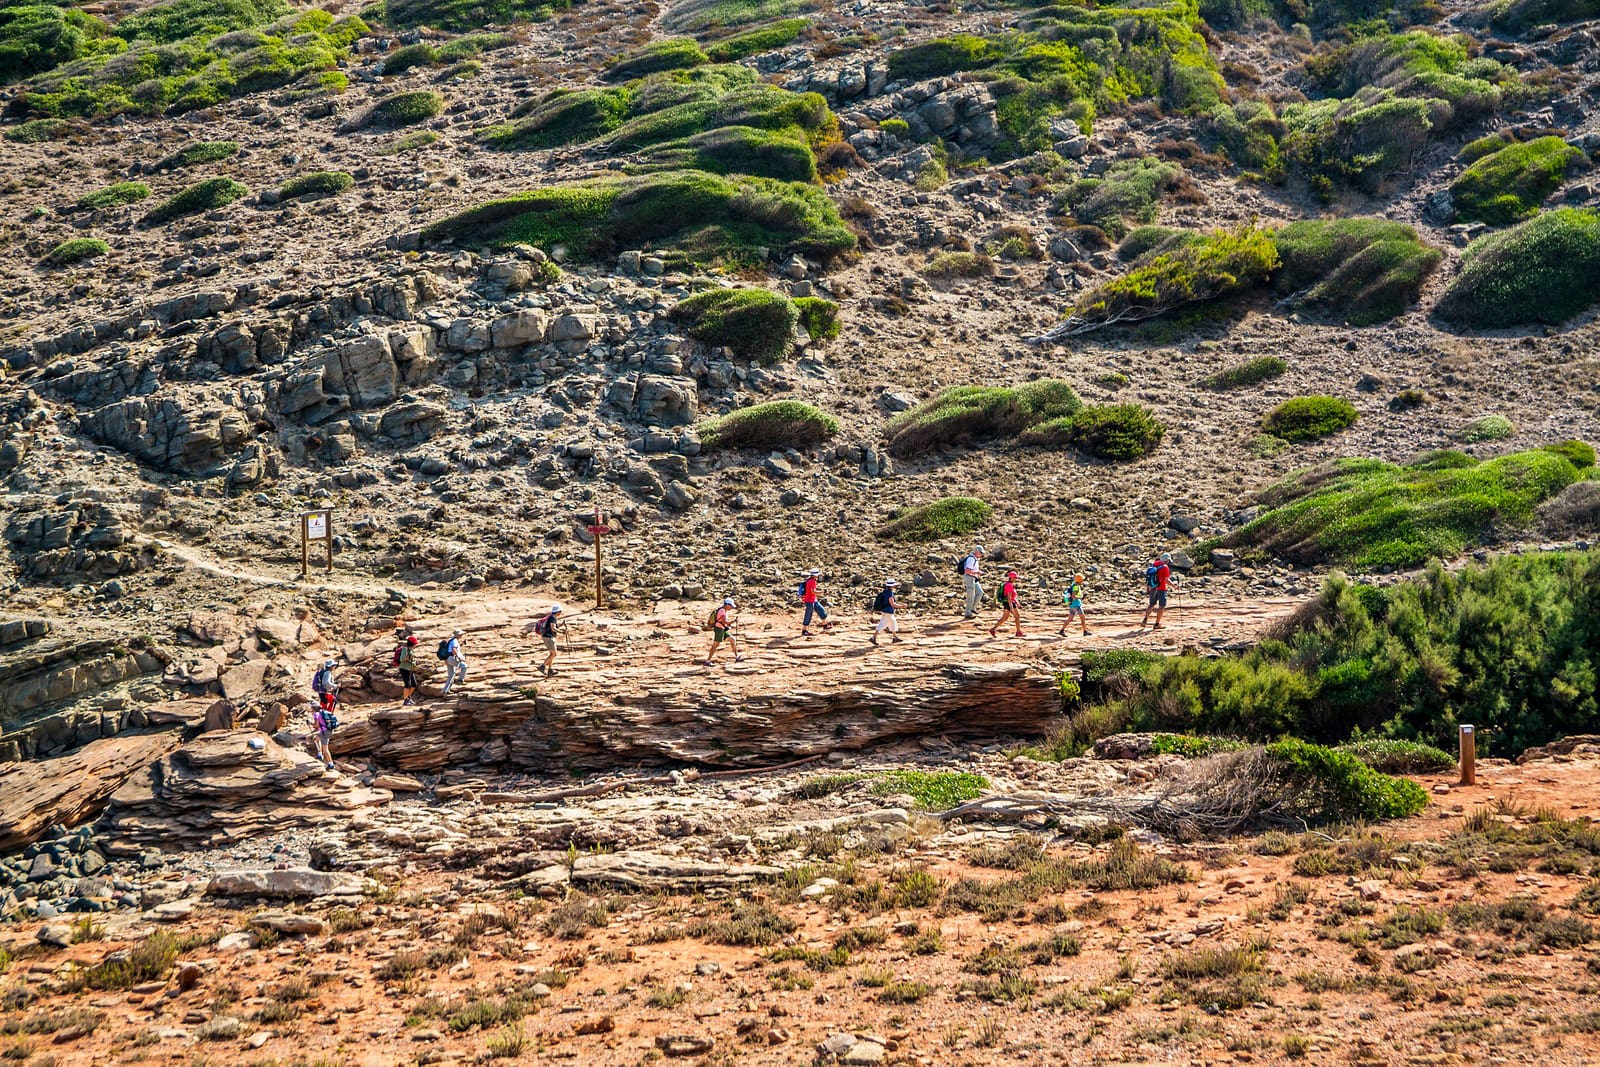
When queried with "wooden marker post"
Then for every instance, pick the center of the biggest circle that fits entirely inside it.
(1469, 756)
(316, 526)
(599, 528)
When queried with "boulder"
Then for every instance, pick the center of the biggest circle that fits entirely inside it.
(363, 370)
(287, 882)
(71, 789)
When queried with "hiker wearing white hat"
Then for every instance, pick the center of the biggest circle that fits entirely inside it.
(547, 627)
(971, 566)
(455, 661)
(886, 607)
(323, 719)
(811, 597)
(721, 623)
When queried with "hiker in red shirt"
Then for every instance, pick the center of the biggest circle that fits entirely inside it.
(1008, 600)
(811, 599)
(1157, 577)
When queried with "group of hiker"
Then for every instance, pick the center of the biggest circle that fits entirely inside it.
(548, 626)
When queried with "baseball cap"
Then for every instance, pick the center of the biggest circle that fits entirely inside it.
(1078, 577)
(977, 550)
(330, 663)
(1011, 574)
(411, 640)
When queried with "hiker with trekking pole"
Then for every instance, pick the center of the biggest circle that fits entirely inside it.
(1157, 582)
(721, 627)
(548, 626)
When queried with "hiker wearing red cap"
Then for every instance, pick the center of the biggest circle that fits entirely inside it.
(405, 659)
(1008, 600)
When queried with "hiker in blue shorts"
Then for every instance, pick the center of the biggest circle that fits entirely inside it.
(1157, 578)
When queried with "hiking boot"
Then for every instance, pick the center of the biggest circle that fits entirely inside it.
(738, 659)
(708, 663)
(807, 633)
(992, 633)
(328, 766)
(897, 639)
(874, 638)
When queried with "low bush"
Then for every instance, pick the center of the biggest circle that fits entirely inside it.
(934, 790)
(960, 265)
(972, 412)
(202, 196)
(1394, 756)
(1509, 184)
(1213, 266)
(1363, 270)
(462, 16)
(113, 195)
(772, 426)
(75, 250)
(694, 16)
(1335, 785)
(691, 216)
(178, 20)
(1580, 454)
(35, 37)
(953, 516)
(754, 42)
(1508, 646)
(316, 185)
(671, 53)
(1372, 514)
(38, 131)
(1574, 510)
(1251, 372)
(1486, 428)
(1129, 189)
(199, 152)
(818, 316)
(1109, 431)
(1516, 16)
(1545, 270)
(402, 109)
(757, 324)
(780, 154)
(421, 54)
(1309, 418)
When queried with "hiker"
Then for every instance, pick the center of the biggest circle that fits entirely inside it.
(455, 660)
(721, 623)
(323, 723)
(1157, 577)
(405, 658)
(547, 627)
(1008, 600)
(886, 606)
(323, 719)
(325, 687)
(970, 568)
(812, 599)
(1073, 599)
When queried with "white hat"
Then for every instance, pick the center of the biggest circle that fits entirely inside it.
(330, 663)
(977, 550)
(555, 609)
(1166, 557)
(815, 570)
(458, 633)
(891, 581)
(727, 602)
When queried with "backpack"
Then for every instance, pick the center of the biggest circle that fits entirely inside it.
(545, 627)
(961, 565)
(1000, 596)
(396, 660)
(330, 721)
(444, 648)
(1151, 579)
(711, 620)
(881, 603)
(322, 681)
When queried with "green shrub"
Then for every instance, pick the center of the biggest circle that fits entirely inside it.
(1130, 188)
(1486, 428)
(960, 265)
(1250, 372)
(463, 16)
(113, 195)
(934, 790)
(1111, 431)
(693, 16)
(697, 218)
(36, 37)
(37, 131)
(672, 53)
(403, 109)
(754, 42)
(202, 196)
(1515, 16)
(1578, 453)
(316, 185)
(780, 154)
(1364, 270)
(77, 248)
(563, 116)
(1332, 785)
(1545, 270)
(199, 152)
(819, 316)
(1251, 133)
(1394, 756)
(756, 323)
(941, 56)
(421, 54)
(971, 412)
(951, 517)
(772, 426)
(1374, 514)
(178, 20)
(1307, 418)
(411, 142)
(1216, 265)
(1508, 185)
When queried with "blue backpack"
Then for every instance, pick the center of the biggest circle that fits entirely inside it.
(1151, 577)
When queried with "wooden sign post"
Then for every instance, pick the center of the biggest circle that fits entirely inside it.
(1469, 756)
(599, 528)
(316, 526)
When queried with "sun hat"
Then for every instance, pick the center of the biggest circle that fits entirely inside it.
(330, 663)
(458, 633)
(727, 602)
(815, 570)
(555, 609)
(892, 581)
